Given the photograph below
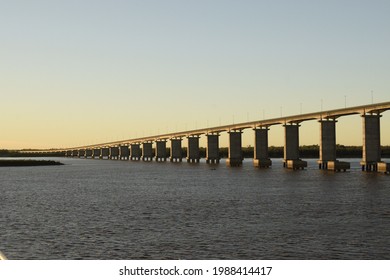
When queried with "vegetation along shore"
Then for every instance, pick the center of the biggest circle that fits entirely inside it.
(22, 162)
(309, 151)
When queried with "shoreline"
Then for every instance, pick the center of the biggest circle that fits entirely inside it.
(27, 162)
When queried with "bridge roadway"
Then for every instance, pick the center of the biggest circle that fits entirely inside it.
(371, 161)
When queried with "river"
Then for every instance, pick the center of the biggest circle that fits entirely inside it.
(101, 209)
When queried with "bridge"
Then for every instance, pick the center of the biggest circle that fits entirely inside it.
(142, 148)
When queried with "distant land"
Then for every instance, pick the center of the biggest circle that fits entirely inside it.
(309, 151)
(21, 162)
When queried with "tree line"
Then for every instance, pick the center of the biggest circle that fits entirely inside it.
(307, 151)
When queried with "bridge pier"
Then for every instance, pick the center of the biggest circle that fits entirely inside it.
(88, 153)
(124, 152)
(147, 151)
(212, 150)
(291, 147)
(260, 155)
(81, 153)
(105, 153)
(114, 153)
(327, 160)
(161, 150)
(96, 153)
(75, 153)
(371, 142)
(176, 151)
(135, 151)
(193, 154)
(235, 157)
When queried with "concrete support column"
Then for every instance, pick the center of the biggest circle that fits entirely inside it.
(114, 153)
(124, 152)
(135, 151)
(105, 153)
(327, 143)
(96, 153)
(235, 157)
(327, 158)
(327, 140)
(371, 142)
(147, 151)
(260, 155)
(291, 142)
(291, 148)
(193, 154)
(212, 151)
(88, 153)
(161, 150)
(176, 151)
(81, 153)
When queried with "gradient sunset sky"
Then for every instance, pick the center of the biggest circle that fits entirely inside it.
(80, 72)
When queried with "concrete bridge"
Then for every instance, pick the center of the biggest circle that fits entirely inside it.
(142, 148)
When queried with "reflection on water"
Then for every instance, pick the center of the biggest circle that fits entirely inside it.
(99, 209)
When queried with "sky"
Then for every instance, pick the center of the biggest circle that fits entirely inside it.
(82, 72)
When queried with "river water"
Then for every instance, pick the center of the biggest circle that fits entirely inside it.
(101, 209)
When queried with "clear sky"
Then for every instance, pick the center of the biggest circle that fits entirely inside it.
(81, 72)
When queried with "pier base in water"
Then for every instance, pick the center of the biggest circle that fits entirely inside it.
(335, 165)
(295, 164)
(369, 166)
(212, 160)
(262, 163)
(233, 162)
(384, 167)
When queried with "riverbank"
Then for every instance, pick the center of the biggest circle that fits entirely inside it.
(17, 162)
